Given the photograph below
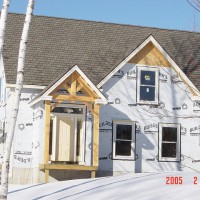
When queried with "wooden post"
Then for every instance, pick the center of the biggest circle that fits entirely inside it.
(96, 136)
(47, 135)
(46, 175)
(93, 174)
(73, 84)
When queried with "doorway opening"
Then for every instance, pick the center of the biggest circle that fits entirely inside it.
(67, 134)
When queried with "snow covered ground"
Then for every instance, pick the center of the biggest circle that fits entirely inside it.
(147, 186)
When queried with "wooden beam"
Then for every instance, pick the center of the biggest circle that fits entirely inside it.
(47, 131)
(86, 93)
(72, 97)
(96, 136)
(67, 88)
(73, 84)
(66, 167)
(60, 86)
(93, 174)
(46, 175)
(79, 88)
(52, 107)
(86, 87)
(73, 94)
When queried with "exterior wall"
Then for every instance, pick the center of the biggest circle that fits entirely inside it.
(26, 140)
(175, 106)
(25, 150)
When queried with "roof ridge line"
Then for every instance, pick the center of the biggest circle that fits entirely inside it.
(113, 23)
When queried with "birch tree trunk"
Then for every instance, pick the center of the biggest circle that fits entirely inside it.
(3, 20)
(15, 108)
(4, 14)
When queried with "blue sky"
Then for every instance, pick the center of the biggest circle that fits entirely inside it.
(172, 14)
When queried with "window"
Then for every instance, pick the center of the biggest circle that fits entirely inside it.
(68, 110)
(123, 139)
(169, 142)
(147, 85)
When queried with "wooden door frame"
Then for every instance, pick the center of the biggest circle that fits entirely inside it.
(55, 130)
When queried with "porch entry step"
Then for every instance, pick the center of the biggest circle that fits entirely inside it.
(64, 162)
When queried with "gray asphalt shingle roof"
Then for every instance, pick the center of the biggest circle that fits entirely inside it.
(56, 43)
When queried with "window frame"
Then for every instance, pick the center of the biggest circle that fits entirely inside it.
(123, 122)
(178, 143)
(147, 68)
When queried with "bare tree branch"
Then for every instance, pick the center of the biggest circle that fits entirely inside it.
(195, 4)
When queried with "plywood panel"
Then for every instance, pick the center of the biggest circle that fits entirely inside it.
(151, 56)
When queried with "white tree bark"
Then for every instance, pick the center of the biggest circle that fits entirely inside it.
(15, 108)
(4, 14)
(3, 20)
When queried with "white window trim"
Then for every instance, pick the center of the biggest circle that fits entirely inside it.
(178, 146)
(147, 68)
(124, 122)
(54, 135)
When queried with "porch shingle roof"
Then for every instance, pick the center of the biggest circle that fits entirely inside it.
(96, 47)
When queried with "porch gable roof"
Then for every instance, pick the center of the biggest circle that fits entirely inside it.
(45, 93)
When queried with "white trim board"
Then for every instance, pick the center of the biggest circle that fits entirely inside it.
(26, 86)
(168, 58)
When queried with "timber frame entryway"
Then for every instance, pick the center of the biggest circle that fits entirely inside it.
(65, 102)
